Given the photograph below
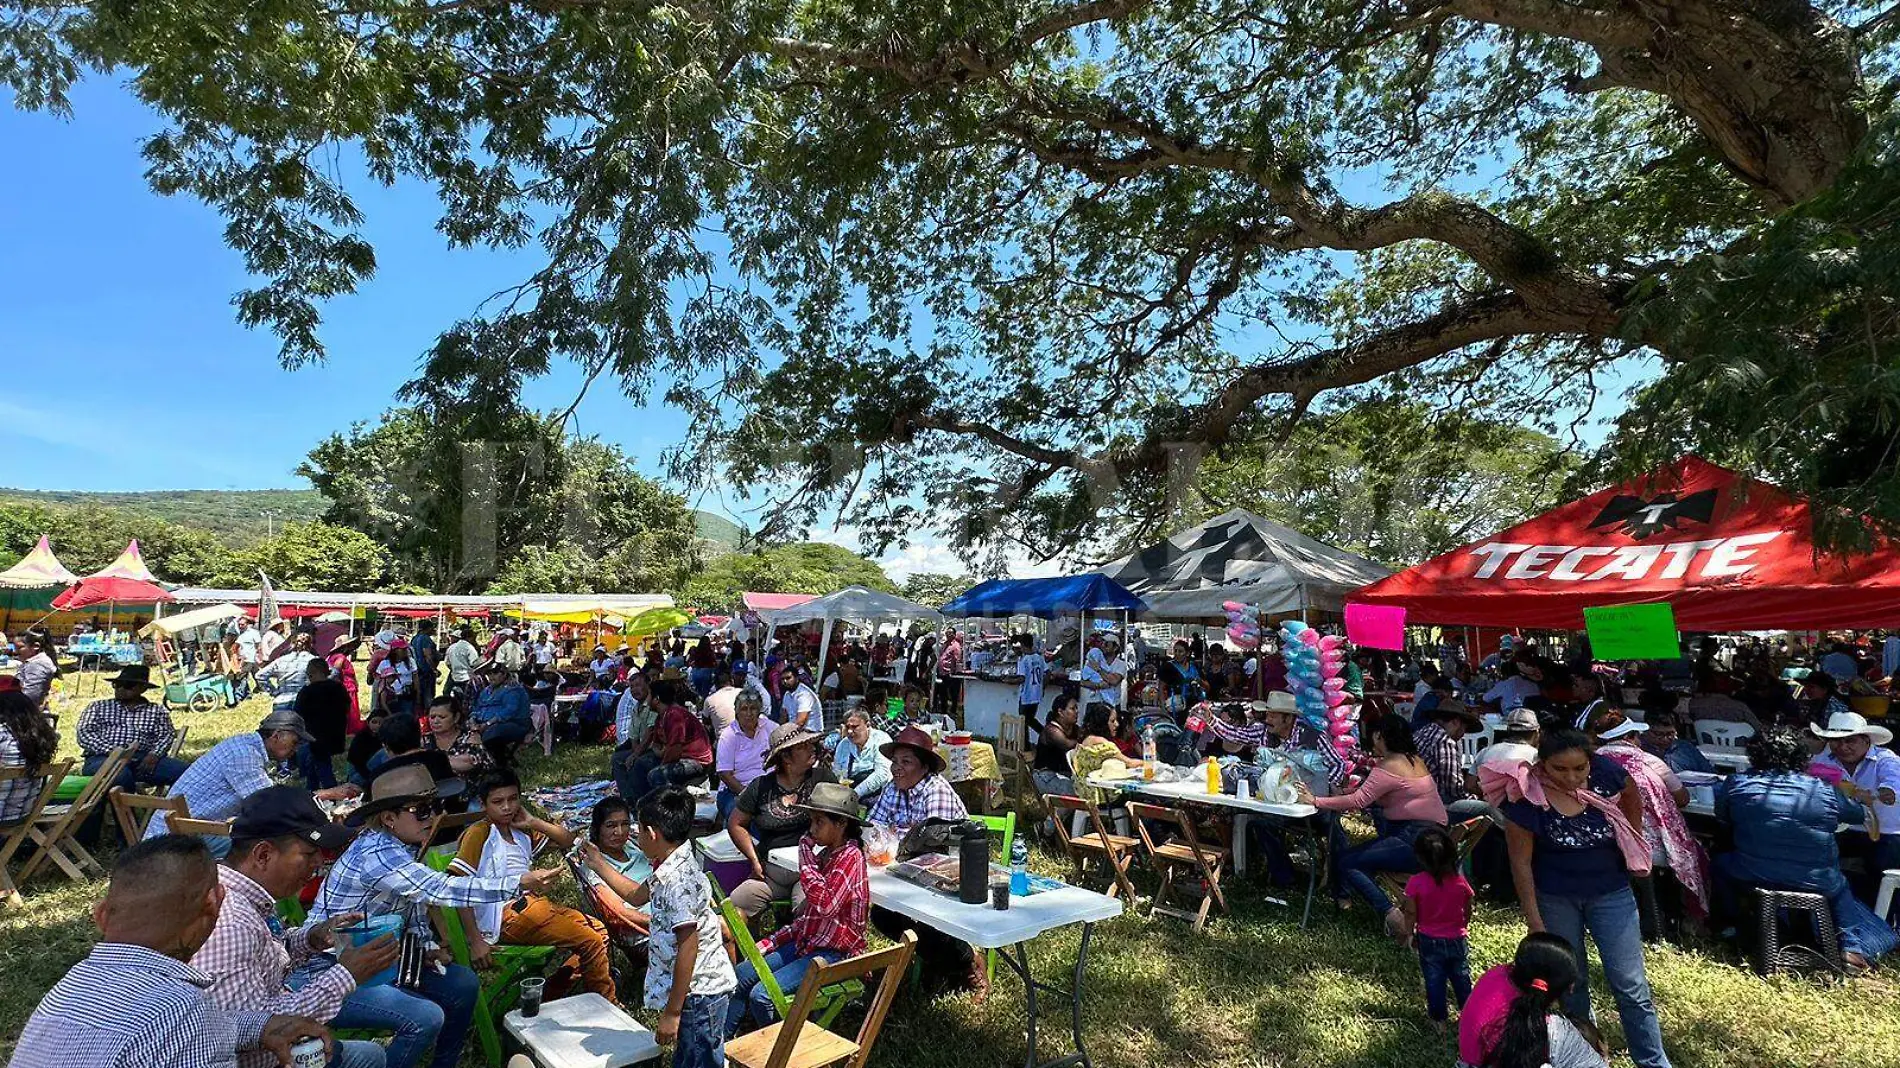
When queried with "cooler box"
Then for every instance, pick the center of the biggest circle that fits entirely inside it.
(724, 862)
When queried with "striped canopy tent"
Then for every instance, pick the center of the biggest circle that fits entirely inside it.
(124, 581)
(37, 570)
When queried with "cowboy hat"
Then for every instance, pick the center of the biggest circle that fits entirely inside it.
(1452, 707)
(914, 738)
(401, 786)
(1113, 769)
(1848, 724)
(1611, 723)
(346, 646)
(785, 736)
(134, 675)
(1277, 701)
(285, 720)
(832, 799)
(1113, 637)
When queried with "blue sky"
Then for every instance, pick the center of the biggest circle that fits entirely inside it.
(117, 301)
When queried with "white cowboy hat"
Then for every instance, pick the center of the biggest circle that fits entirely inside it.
(1277, 701)
(1848, 724)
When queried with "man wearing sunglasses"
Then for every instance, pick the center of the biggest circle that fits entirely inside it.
(378, 875)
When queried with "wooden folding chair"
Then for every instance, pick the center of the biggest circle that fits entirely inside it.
(1185, 851)
(134, 811)
(797, 1042)
(16, 835)
(1012, 753)
(54, 830)
(177, 749)
(1117, 849)
(200, 828)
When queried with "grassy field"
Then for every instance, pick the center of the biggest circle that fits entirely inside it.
(1252, 990)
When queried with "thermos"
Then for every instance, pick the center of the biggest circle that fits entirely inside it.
(973, 878)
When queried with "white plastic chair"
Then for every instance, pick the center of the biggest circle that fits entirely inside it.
(1476, 742)
(1883, 901)
(1722, 732)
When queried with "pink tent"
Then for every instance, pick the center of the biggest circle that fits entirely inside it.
(37, 570)
(124, 581)
(772, 602)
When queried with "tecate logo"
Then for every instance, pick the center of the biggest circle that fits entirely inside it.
(1707, 558)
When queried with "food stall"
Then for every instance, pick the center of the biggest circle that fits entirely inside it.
(992, 693)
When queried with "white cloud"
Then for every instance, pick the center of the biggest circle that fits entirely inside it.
(929, 555)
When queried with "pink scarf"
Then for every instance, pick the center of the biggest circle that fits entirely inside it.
(1504, 781)
(1663, 824)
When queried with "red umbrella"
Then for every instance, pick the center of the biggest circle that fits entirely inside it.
(125, 580)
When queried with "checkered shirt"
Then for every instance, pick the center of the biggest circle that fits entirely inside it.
(16, 795)
(933, 798)
(127, 1006)
(217, 782)
(109, 724)
(378, 875)
(250, 954)
(837, 902)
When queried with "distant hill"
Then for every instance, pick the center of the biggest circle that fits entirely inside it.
(720, 533)
(235, 516)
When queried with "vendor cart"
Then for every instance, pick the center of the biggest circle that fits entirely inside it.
(199, 691)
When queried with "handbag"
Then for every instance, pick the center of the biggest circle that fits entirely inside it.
(934, 835)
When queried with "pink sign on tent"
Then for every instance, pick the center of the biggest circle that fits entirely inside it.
(1375, 626)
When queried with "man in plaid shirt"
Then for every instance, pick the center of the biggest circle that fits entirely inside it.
(379, 875)
(134, 1002)
(249, 956)
(129, 721)
(917, 794)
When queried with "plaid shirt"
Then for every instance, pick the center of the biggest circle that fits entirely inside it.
(1306, 738)
(216, 783)
(16, 795)
(1445, 756)
(108, 725)
(249, 955)
(127, 1006)
(378, 875)
(837, 902)
(933, 798)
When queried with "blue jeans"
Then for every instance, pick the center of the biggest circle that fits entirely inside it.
(788, 968)
(1391, 851)
(647, 772)
(1613, 925)
(135, 775)
(702, 1039)
(318, 770)
(1444, 962)
(437, 1013)
(357, 1054)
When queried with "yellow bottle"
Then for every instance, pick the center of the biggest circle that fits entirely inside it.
(1213, 775)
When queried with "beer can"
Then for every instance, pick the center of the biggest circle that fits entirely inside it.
(308, 1054)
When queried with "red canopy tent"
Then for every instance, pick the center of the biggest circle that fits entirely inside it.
(1728, 552)
(124, 581)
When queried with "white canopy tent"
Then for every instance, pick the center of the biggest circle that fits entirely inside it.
(1239, 556)
(856, 604)
(174, 625)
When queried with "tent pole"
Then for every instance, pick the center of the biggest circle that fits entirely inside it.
(824, 653)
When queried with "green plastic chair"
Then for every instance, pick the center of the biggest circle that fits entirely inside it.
(291, 913)
(831, 999)
(501, 990)
(1004, 825)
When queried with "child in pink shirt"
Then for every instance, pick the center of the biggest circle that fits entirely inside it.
(1438, 913)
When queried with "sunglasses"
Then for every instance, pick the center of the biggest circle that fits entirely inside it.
(424, 810)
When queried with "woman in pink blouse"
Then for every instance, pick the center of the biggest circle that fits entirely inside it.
(1406, 801)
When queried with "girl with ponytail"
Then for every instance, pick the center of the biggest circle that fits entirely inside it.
(1515, 1017)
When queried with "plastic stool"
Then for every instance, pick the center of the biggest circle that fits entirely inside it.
(1773, 910)
(1883, 902)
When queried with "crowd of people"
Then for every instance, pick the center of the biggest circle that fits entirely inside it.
(1582, 785)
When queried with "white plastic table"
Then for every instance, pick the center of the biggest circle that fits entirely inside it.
(1292, 815)
(1732, 757)
(583, 1031)
(1008, 931)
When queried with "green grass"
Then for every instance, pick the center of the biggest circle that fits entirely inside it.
(1252, 990)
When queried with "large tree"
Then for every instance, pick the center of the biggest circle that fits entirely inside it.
(802, 567)
(503, 499)
(1022, 259)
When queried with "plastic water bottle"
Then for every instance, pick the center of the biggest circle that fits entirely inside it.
(1019, 868)
(1149, 754)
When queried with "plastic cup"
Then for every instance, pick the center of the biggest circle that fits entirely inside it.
(999, 896)
(531, 991)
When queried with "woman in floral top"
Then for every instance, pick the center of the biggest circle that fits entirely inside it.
(1098, 746)
(450, 733)
(831, 925)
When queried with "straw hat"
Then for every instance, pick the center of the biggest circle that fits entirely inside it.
(786, 736)
(1113, 769)
(832, 799)
(1847, 725)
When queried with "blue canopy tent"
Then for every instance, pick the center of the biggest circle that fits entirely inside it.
(1045, 598)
